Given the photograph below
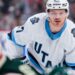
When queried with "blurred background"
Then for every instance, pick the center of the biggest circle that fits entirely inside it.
(15, 12)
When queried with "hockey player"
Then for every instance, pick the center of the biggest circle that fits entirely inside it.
(48, 38)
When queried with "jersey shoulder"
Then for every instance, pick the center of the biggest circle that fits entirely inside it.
(70, 24)
(69, 37)
(36, 18)
(33, 20)
(71, 27)
(27, 30)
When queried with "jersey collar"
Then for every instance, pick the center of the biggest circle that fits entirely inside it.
(50, 34)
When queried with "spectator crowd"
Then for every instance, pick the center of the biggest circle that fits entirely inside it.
(15, 12)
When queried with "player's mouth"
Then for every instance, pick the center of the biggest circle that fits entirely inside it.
(57, 21)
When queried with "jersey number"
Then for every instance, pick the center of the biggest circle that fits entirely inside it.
(22, 28)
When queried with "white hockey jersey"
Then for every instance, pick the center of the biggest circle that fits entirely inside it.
(7, 46)
(45, 49)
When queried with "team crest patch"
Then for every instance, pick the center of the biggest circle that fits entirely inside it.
(73, 32)
(34, 20)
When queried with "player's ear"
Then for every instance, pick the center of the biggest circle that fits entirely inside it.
(67, 13)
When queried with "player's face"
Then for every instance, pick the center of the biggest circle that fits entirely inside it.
(57, 18)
